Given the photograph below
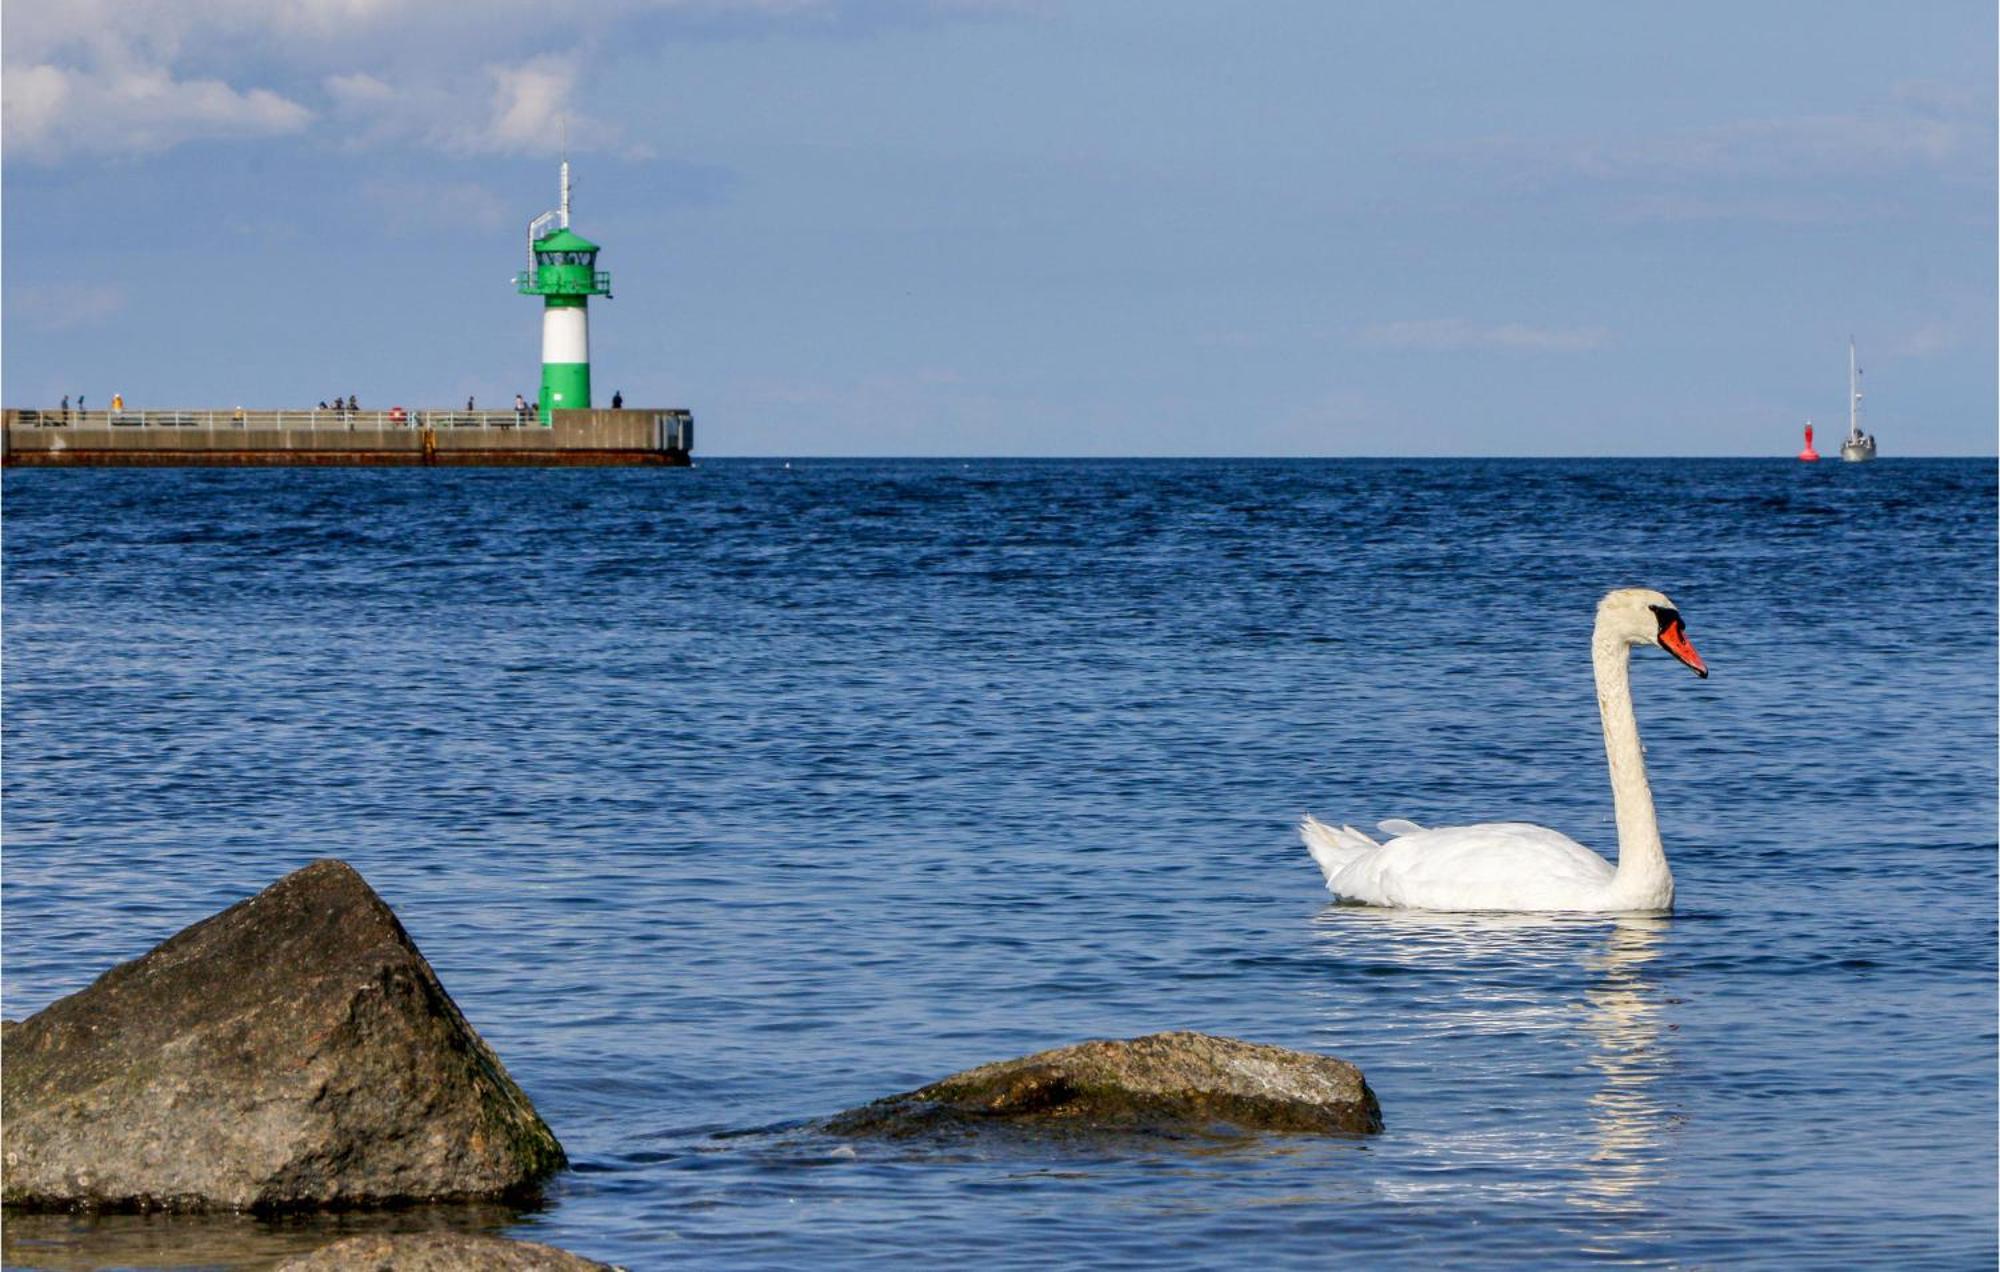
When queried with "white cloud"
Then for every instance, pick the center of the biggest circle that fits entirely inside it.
(124, 76)
(530, 105)
(1771, 169)
(139, 76)
(531, 109)
(46, 111)
(1807, 146)
(31, 103)
(65, 307)
(445, 205)
(522, 108)
(94, 76)
(1681, 206)
(360, 91)
(1929, 340)
(167, 31)
(1443, 335)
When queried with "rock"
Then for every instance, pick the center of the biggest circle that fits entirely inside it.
(439, 1252)
(1165, 1083)
(73, 1239)
(293, 1051)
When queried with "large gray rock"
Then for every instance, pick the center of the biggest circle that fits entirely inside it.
(1173, 1083)
(440, 1252)
(293, 1051)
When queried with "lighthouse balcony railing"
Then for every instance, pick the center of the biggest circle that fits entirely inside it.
(527, 284)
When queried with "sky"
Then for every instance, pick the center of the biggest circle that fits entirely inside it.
(1028, 227)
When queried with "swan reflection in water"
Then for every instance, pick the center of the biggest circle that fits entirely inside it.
(1483, 1017)
(1627, 1117)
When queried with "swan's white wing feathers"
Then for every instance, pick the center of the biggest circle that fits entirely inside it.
(1397, 826)
(1491, 866)
(1334, 849)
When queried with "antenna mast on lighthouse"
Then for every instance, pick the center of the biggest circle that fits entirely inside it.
(565, 173)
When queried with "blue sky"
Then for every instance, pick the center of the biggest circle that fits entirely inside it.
(1004, 227)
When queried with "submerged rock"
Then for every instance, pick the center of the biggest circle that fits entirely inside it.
(440, 1252)
(1166, 1083)
(293, 1051)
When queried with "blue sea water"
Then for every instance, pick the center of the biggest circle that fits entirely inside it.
(728, 798)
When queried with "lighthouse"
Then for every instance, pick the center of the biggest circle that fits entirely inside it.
(562, 270)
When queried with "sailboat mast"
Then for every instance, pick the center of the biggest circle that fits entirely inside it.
(1853, 395)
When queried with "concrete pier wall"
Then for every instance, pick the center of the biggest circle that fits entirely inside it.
(231, 438)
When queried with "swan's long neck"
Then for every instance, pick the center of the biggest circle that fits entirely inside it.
(1643, 877)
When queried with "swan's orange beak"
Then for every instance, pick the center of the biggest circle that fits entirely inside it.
(1674, 639)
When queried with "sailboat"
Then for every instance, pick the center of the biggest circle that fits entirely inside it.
(1859, 447)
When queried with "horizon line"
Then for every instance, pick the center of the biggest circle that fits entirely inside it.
(789, 456)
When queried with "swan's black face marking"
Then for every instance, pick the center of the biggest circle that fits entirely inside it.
(1673, 639)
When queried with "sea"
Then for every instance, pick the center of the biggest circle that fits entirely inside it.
(724, 799)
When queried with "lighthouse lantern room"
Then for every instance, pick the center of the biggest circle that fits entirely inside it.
(562, 270)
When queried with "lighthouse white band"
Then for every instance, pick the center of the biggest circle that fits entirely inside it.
(565, 335)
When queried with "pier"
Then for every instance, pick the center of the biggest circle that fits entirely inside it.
(560, 429)
(234, 437)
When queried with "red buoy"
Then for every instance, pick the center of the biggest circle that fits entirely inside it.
(1809, 455)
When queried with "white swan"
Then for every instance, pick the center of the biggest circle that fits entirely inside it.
(1515, 865)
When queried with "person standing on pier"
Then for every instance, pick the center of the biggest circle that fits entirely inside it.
(618, 399)
(520, 409)
(65, 408)
(468, 402)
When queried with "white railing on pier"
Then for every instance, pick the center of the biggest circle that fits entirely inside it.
(308, 419)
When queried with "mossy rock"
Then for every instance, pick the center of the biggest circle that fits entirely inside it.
(1163, 1084)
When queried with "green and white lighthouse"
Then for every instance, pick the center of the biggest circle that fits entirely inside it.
(562, 270)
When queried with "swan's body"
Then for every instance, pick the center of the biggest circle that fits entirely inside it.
(1489, 866)
(1515, 865)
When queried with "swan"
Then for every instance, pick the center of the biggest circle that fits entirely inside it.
(1516, 865)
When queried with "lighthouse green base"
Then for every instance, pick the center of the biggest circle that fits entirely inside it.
(565, 387)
